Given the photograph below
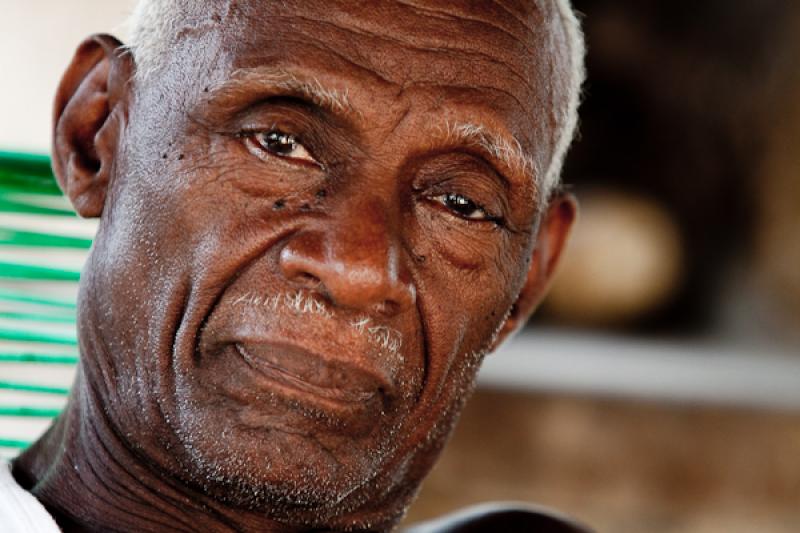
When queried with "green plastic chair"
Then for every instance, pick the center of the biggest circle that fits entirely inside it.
(37, 305)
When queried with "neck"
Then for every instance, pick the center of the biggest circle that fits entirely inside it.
(89, 480)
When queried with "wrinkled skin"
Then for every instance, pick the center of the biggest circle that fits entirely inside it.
(280, 336)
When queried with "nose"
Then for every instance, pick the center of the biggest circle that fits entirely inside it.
(355, 260)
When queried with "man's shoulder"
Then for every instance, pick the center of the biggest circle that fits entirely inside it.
(501, 517)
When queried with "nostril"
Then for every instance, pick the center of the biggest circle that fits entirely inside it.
(387, 308)
(299, 261)
(308, 280)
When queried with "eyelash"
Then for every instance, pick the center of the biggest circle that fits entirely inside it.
(275, 135)
(464, 201)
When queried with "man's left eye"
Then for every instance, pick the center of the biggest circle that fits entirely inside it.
(282, 144)
(462, 206)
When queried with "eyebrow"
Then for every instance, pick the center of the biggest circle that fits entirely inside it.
(507, 150)
(246, 81)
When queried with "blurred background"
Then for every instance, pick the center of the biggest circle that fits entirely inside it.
(658, 389)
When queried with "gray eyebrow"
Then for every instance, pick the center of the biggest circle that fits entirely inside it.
(508, 151)
(278, 78)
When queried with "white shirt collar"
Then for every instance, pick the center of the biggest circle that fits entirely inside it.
(20, 511)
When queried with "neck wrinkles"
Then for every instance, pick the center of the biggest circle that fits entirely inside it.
(87, 478)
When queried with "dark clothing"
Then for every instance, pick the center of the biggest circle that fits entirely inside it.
(501, 518)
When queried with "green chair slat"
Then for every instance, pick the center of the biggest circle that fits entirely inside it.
(29, 412)
(9, 205)
(13, 443)
(13, 237)
(38, 317)
(28, 173)
(36, 272)
(38, 358)
(25, 335)
(26, 163)
(12, 182)
(33, 387)
(22, 297)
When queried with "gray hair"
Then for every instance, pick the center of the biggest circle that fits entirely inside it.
(154, 24)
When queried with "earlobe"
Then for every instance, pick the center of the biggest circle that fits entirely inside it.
(550, 242)
(87, 121)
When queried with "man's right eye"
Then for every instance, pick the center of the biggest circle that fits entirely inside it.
(466, 208)
(462, 206)
(280, 144)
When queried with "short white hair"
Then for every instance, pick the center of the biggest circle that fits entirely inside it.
(154, 25)
(569, 114)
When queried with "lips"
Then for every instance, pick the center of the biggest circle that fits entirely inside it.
(296, 370)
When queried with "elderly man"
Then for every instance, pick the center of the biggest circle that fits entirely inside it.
(316, 218)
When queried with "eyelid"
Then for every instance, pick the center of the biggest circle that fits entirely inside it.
(496, 207)
(497, 220)
(442, 198)
(296, 142)
(248, 134)
(329, 140)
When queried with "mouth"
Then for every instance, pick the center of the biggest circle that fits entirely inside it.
(301, 374)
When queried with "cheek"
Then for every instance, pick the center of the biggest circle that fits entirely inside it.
(475, 304)
(467, 247)
(473, 272)
(464, 307)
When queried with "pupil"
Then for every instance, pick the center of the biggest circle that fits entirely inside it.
(460, 204)
(280, 143)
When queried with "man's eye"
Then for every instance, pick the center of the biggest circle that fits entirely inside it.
(463, 206)
(282, 144)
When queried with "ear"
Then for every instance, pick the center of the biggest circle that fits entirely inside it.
(550, 241)
(88, 118)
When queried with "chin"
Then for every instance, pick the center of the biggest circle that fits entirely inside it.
(270, 458)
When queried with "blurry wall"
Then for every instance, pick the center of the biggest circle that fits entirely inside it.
(37, 40)
(623, 466)
(687, 169)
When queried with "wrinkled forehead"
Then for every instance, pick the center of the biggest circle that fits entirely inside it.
(500, 52)
(471, 43)
(503, 55)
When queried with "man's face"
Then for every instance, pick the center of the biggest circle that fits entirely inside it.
(317, 224)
